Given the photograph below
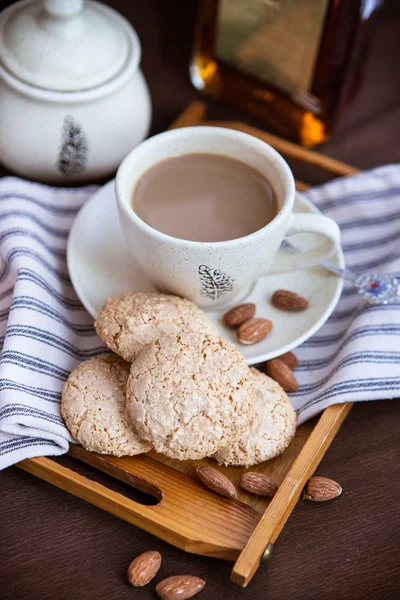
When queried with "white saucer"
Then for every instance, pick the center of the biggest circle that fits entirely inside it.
(100, 266)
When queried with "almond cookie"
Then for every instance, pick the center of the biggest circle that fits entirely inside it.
(272, 429)
(190, 395)
(93, 406)
(131, 321)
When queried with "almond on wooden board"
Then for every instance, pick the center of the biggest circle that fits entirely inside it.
(179, 587)
(216, 481)
(289, 359)
(144, 568)
(238, 314)
(321, 489)
(278, 370)
(254, 330)
(287, 300)
(258, 484)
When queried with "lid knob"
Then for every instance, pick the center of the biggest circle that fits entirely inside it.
(63, 8)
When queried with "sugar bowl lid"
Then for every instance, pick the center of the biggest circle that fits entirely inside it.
(65, 45)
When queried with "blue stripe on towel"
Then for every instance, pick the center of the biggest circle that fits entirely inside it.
(46, 331)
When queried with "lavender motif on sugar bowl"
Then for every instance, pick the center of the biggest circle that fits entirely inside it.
(74, 148)
(214, 283)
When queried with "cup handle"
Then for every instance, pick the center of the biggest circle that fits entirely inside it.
(308, 223)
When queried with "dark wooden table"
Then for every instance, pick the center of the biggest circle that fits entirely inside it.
(55, 546)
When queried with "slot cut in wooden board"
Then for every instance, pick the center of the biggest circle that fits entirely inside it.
(188, 515)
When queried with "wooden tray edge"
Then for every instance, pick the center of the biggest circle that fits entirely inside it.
(284, 501)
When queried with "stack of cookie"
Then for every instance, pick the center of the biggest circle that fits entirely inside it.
(173, 385)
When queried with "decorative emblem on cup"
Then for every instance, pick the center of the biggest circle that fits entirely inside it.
(214, 283)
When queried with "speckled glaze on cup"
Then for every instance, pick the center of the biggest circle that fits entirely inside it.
(214, 274)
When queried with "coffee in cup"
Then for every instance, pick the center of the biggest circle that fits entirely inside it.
(204, 198)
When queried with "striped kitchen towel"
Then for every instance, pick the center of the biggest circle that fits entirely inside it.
(45, 332)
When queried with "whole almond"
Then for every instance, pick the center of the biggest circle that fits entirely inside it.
(289, 359)
(238, 314)
(179, 587)
(321, 489)
(259, 484)
(144, 568)
(216, 482)
(254, 330)
(286, 300)
(278, 370)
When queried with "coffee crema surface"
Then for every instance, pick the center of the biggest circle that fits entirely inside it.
(204, 198)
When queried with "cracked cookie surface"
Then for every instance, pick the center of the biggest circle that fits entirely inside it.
(272, 428)
(190, 394)
(93, 405)
(129, 322)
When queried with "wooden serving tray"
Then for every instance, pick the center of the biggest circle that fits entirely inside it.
(186, 514)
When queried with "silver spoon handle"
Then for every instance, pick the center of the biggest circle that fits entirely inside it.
(375, 288)
(345, 273)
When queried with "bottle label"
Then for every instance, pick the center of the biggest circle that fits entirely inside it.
(275, 41)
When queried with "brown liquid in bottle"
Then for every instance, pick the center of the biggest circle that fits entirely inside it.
(306, 114)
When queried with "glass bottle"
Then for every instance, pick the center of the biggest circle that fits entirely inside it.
(293, 63)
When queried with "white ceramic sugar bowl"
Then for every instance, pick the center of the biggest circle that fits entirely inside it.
(73, 101)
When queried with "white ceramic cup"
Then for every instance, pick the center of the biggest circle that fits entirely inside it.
(213, 274)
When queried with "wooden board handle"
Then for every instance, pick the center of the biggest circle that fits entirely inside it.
(192, 114)
(282, 504)
(188, 515)
(289, 149)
